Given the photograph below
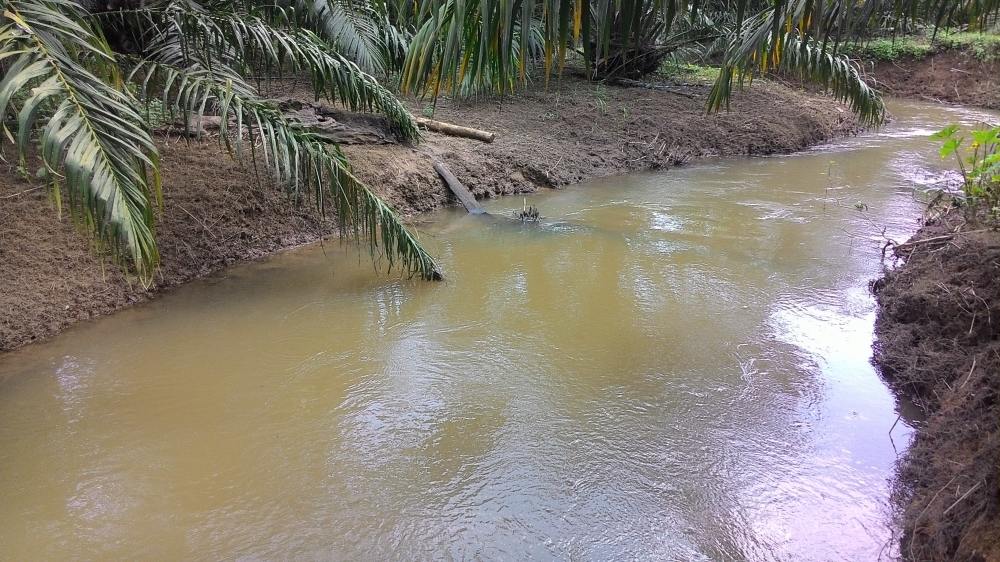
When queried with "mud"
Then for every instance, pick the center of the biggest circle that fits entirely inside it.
(948, 76)
(217, 212)
(938, 331)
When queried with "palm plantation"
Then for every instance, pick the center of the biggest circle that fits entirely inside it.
(68, 91)
(667, 362)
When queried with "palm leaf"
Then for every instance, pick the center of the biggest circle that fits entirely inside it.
(93, 141)
(472, 47)
(304, 162)
(840, 75)
(359, 31)
(804, 36)
(255, 45)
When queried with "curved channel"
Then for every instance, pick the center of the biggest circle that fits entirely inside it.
(668, 366)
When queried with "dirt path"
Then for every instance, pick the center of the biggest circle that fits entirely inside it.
(216, 214)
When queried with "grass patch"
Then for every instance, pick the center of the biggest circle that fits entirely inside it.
(983, 46)
(687, 71)
(888, 49)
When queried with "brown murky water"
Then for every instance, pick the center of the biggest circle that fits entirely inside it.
(671, 366)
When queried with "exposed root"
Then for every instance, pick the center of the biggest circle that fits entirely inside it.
(939, 344)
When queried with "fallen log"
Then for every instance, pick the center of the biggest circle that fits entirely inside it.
(460, 191)
(455, 130)
(339, 126)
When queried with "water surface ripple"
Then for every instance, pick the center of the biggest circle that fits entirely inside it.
(672, 366)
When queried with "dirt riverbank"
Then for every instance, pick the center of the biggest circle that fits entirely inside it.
(951, 76)
(216, 214)
(938, 331)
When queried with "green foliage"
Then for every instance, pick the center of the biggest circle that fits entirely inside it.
(362, 32)
(889, 49)
(248, 43)
(475, 47)
(798, 54)
(983, 46)
(805, 35)
(299, 159)
(92, 138)
(978, 162)
(688, 71)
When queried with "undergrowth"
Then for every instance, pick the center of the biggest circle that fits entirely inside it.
(978, 160)
(982, 46)
(890, 49)
(687, 71)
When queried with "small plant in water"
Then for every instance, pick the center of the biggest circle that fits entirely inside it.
(527, 213)
(980, 168)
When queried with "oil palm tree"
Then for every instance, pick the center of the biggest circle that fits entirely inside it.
(470, 47)
(67, 91)
(363, 32)
(81, 103)
(804, 37)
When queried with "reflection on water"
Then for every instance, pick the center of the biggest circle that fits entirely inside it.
(671, 366)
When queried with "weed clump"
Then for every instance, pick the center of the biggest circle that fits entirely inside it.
(890, 49)
(688, 71)
(984, 47)
(978, 160)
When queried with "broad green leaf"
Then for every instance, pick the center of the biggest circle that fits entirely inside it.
(949, 147)
(946, 132)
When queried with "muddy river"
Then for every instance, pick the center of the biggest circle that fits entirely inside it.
(670, 366)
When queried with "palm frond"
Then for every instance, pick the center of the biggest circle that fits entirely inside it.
(254, 45)
(487, 46)
(805, 35)
(462, 48)
(306, 163)
(360, 32)
(472, 47)
(840, 75)
(93, 141)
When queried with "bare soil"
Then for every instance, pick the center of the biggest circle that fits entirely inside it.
(216, 212)
(937, 345)
(952, 76)
(576, 130)
(938, 331)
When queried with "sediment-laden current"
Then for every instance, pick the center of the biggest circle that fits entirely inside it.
(669, 366)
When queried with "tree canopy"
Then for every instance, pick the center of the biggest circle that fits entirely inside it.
(78, 75)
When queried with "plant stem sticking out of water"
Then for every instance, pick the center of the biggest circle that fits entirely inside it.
(527, 214)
